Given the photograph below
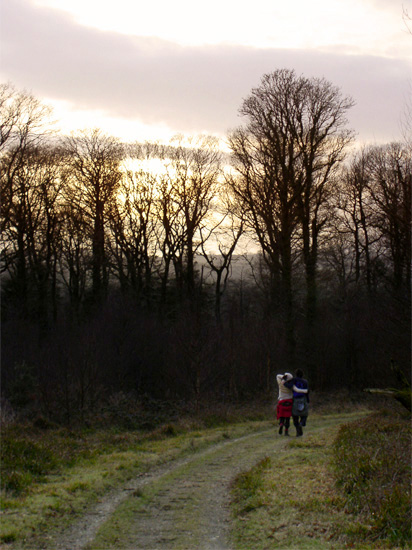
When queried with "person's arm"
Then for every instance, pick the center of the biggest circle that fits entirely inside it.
(299, 390)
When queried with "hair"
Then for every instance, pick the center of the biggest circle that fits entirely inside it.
(299, 373)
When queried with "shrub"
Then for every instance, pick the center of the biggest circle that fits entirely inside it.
(23, 460)
(372, 468)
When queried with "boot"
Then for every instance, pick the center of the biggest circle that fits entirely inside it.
(281, 429)
(286, 431)
(299, 431)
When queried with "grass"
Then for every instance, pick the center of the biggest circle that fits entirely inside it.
(288, 501)
(347, 487)
(372, 463)
(50, 476)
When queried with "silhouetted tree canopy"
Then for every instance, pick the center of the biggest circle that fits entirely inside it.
(179, 271)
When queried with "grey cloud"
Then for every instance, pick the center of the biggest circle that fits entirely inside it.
(189, 88)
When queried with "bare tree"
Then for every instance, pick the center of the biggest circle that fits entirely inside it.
(220, 264)
(75, 255)
(193, 171)
(134, 227)
(354, 218)
(24, 123)
(170, 234)
(31, 231)
(23, 118)
(93, 176)
(407, 19)
(391, 173)
(284, 157)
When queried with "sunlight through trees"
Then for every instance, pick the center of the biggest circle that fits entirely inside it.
(185, 270)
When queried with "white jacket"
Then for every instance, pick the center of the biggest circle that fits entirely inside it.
(284, 393)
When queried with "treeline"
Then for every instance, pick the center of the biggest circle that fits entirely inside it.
(123, 268)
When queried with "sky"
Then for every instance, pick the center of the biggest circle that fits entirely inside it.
(148, 69)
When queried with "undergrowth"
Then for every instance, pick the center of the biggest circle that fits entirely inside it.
(30, 450)
(50, 474)
(343, 487)
(372, 465)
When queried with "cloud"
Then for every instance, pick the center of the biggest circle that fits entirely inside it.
(395, 6)
(191, 89)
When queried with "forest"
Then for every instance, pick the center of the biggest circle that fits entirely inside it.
(197, 270)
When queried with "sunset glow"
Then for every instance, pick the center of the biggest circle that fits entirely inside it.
(146, 71)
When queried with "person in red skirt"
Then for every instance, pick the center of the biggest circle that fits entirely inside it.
(285, 402)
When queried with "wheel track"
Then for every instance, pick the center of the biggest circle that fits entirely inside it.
(200, 480)
(185, 504)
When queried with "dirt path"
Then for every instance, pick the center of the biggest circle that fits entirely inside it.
(189, 507)
(189, 503)
(185, 503)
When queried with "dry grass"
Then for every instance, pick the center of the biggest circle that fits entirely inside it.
(49, 476)
(292, 501)
(289, 501)
(372, 463)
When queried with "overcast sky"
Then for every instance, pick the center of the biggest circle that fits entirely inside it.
(146, 69)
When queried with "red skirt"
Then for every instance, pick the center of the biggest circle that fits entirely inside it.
(284, 408)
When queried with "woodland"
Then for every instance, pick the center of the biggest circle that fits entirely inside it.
(197, 270)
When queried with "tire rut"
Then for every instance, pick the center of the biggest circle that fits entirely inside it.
(189, 499)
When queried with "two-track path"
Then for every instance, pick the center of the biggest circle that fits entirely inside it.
(186, 504)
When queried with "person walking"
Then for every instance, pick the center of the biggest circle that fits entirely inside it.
(300, 406)
(285, 402)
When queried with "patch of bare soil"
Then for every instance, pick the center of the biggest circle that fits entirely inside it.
(189, 503)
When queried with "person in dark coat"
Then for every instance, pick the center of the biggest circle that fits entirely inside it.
(285, 401)
(300, 407)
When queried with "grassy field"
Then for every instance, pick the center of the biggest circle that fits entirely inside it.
(346, 487)
(51, 475)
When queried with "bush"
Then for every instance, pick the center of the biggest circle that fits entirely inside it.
(22, 391)
(23, 460)
(372, 468)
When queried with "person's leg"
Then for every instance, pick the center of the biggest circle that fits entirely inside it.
(287, 424)
(279, 418)
(281, 424)
(296, 424)
(303, 420)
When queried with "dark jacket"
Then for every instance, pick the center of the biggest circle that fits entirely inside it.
(300, 383)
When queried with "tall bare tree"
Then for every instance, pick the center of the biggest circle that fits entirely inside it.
(355, 217)
(284, 157)
(24, 123)
(391, 190)
(32, 231)
(93, 176)
(193, 171)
